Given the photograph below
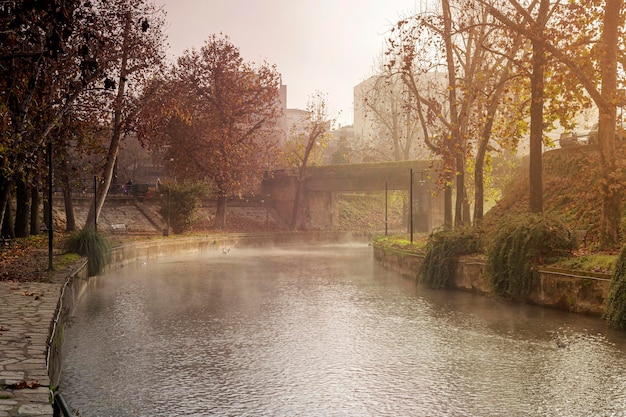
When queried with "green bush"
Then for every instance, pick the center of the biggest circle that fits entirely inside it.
(615, 312)
(518, 244)
(442, 255)
(94, 246)
(181, 205)
(401, 242)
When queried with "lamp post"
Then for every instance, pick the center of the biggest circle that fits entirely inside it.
(422, 181)
(95, 204)
(386, 209)
(411, 204)
(267, 212)
(50, 228)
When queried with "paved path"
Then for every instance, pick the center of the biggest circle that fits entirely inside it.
(26, 312)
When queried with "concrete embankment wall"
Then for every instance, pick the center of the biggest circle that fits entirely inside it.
(560, 289)
(162, 247)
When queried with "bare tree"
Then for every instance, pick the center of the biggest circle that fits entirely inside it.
(135, 53)
(389, 115)
(316, 128)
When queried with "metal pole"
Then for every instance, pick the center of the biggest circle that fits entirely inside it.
(267, 213)
(386, 209)
(411, 204)
(95, 204)
(168, 210)
(50, 228)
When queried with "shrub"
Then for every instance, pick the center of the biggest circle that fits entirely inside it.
(442, 255)
(401, 242)
(181, 205)
(518, 244)
(93, 245)
(615, 312)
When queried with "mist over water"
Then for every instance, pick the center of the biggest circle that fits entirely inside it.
(323, 331)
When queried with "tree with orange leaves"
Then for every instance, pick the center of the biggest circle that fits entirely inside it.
(217, 120)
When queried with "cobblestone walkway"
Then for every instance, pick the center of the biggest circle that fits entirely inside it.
(26, 312)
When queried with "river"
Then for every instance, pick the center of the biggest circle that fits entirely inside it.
(324, 331)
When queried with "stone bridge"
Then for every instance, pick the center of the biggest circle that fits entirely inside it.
(323, 183)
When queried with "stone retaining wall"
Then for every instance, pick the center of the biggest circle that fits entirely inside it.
(560, 289)
(71, 292)
(161, 247)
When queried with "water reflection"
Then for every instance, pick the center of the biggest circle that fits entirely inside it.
(322, 331)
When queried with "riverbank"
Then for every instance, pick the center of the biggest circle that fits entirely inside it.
(582, 293)
(29, 312)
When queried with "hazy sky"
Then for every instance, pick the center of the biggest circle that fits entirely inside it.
(325, 45)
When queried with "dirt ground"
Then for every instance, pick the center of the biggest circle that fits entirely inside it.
(22, 261)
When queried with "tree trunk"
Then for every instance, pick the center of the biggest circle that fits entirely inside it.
(536, 114)
(479, 180)
(315, 133)
(35, 205)
(70, 219)
(297, 198)
(22, 208)
(114, 146)
(610, 188)
(8, 229)
(466, 209)
(481, 151)
(536, 130)
(455, 144)
(447, 207)
(461, 195)
(5, 195)
(220, 212)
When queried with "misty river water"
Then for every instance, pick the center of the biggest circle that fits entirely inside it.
(324, 331)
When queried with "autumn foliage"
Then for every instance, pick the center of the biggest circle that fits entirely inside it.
(215, 120)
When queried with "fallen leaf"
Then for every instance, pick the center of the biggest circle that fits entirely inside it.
(23, 385)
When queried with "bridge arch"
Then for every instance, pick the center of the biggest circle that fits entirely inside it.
(323, 184)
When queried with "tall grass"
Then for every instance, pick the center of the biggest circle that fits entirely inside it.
(94, 246)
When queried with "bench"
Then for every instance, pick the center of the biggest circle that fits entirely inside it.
(5, 240)
(118, 227)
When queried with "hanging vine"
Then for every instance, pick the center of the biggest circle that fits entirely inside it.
(615, 312)
(443, 250)
(520, 243)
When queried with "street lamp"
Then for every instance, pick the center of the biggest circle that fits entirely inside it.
(168, 210)
(422, 181)
(267, 212)
(386, 209)
(95, 203)
(50, 228)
